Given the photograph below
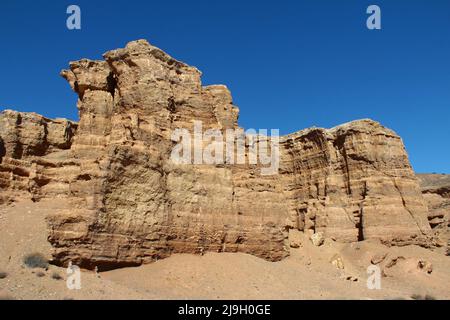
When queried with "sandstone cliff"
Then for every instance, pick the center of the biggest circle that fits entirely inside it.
(127, 203)
(26, 139)
(436, 191)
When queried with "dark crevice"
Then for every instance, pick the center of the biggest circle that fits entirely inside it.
(84, 177)
(171, 105)
(240, 239)
(2, 150)
(360, 227)
(76, 88)
(18, 151)
(19, 119)
(359, 224)
(111, 84)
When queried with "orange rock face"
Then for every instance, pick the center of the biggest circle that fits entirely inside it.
(26, 139)
(127, 203)
(436, 191)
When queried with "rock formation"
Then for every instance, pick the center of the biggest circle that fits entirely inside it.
(25, 140)
(124, 202)
(436, 191)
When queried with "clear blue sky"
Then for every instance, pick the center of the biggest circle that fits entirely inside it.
(289, 64)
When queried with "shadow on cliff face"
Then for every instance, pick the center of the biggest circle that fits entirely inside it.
(2, 150)
(60, 260)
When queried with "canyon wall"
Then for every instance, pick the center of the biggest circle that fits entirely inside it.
(436, 191)
(26, 139)
(125, 202)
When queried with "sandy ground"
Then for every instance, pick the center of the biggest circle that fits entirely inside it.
(307, 274)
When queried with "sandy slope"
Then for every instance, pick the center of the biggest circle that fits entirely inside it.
(307, 274)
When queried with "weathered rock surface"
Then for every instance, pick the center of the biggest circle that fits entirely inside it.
(352, 182)
(436, 191)
(26, 139)
(127, 203)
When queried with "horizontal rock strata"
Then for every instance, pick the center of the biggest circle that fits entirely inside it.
(436, 191)
(26, 140)
(124, 202)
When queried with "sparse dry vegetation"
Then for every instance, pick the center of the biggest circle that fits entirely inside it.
(422, 297)
(40, 274)
(56, 276)
(35, 260)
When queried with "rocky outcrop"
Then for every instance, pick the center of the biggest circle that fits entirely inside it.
(353, 182)
(436, 191)
(26, 139)
(29, 134)
(126, 202)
